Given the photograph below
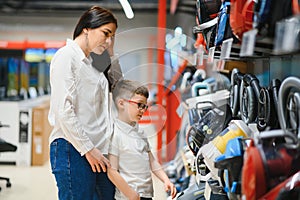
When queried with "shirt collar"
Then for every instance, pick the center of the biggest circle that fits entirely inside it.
(79, 51)
(126, 128)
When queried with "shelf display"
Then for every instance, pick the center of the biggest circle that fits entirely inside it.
(263, 97)
(26, 66)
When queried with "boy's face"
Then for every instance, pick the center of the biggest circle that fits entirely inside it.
(134, 108)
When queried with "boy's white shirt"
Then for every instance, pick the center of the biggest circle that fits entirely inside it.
(132, 148)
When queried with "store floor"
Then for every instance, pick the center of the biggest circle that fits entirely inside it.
(28, 183)
(37, 183)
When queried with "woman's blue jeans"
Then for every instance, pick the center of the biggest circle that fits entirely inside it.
(74, 176)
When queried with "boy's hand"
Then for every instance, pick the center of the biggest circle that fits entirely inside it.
(170, 187)
(135, 196)
(97, 161)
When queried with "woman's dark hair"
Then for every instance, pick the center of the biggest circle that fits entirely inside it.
(94, 18)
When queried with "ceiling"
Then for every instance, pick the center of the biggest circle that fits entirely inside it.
(66, 7)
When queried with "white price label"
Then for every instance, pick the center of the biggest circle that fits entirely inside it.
(248, 43)
(226, 48)
(211, 54)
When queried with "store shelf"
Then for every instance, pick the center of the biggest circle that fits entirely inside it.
(22, 45)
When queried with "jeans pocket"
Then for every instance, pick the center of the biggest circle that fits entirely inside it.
(53, 154)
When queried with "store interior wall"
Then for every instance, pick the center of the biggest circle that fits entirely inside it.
(135, 37)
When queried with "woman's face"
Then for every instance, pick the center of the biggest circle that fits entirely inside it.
(101, 38)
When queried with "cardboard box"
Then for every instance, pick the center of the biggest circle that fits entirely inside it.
(41, 130)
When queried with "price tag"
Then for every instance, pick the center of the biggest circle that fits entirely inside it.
(290, 37)
(248, 43)
(211, 54)
(279, 35)
(200, 54)
(226, 49)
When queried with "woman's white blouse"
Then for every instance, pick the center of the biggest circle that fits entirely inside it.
(79, 106)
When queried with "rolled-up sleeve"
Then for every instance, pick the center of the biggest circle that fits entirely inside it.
(115, 72)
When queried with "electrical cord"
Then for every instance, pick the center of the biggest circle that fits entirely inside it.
(236, 79)
(290, 84)
(250, 90)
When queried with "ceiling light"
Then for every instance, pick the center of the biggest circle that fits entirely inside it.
(127, 9)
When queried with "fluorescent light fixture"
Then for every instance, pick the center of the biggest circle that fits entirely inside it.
(127, 9)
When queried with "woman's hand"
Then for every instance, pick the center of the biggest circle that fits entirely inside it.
(97, 161)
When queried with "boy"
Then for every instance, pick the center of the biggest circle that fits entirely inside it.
(130, 156)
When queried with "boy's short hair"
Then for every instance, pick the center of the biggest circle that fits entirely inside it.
(126, 89)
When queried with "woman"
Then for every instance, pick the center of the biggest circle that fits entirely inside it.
(80, 112)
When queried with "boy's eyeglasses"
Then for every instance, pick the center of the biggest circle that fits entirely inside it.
(141, 106)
